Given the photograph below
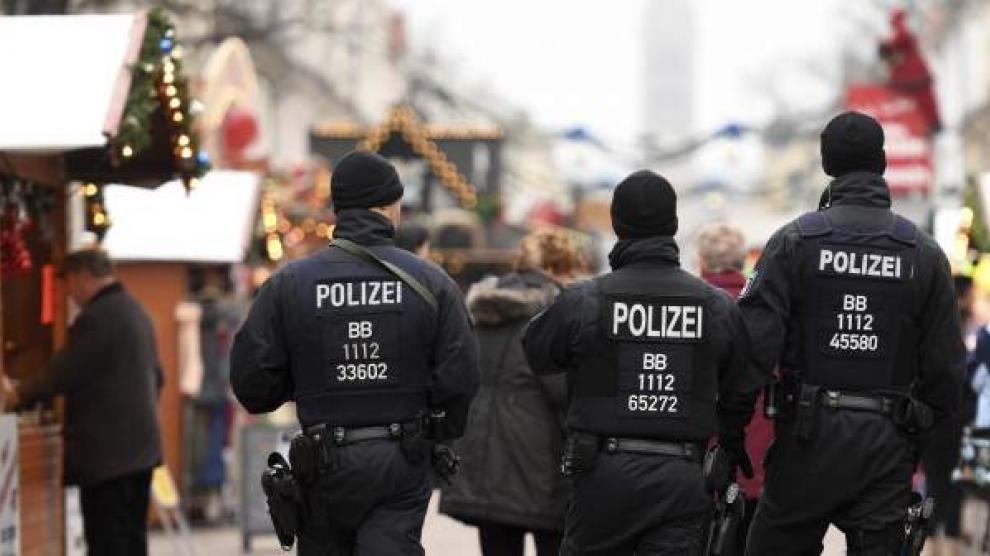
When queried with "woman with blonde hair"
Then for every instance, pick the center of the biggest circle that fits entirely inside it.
(509, 484)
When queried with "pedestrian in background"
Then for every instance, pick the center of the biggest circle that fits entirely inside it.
(413, 237)
(721, 258)
(509, 483)
(108, 372)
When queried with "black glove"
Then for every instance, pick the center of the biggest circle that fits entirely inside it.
(736, 448)
(446, 463)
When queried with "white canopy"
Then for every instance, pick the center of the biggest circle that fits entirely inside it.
(65, 79)
(213, 224)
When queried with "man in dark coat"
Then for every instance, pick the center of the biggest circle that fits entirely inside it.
(108, 372)
(856, 305)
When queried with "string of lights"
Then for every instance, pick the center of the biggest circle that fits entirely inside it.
(157, 83)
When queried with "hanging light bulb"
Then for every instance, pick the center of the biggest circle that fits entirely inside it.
(177, 117)
(186, 152)
(183, 140)
(175, 103)
(127, 151)
(90, 189)
(171, 91)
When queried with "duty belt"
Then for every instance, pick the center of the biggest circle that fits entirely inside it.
(686, 450)
(834, 399)
(349, 435)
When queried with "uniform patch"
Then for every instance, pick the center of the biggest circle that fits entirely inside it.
(655, 356)
(649, 319)
(360, 318)
(654, 380)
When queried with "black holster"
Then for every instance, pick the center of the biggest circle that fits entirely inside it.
(580, 453)
(918, 524)
(806, 412)
(730, 506)
(284, 499)
(912, 415)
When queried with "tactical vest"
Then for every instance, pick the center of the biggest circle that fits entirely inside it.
(858, 303)
(648, 373)
(362, 345)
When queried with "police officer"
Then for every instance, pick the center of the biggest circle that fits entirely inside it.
(648, 350)
(856, 306)
(365, 353)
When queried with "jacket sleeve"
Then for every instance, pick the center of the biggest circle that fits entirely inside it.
(85, 344)
(259, 359)
(738, 388)
(551, 338)
(455, 361)
(941, 353)
(766, 308)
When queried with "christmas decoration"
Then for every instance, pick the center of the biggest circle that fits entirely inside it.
(403, 120)
(15, 258)
(97, 219)
(157, 84)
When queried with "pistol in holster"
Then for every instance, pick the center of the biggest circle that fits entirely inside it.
(284, 498)
(580, 453)
(917, 524)
(723, 537)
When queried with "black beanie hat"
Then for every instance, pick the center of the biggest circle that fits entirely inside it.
(364, 180)
(853, 142)
(644, 205)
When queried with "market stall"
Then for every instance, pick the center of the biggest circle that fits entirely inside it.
(452, 175)
(88, 100)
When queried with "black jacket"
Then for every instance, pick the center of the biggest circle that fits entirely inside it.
(512, 444)
(773, 300)
(569, 335)
(110, 376)
(289, 349)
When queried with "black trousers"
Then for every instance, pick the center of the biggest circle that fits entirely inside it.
(854, 471)
(372, 504)
(115, 515)
(648, 505)
(499, 539)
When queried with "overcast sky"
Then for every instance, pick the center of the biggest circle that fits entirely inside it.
(580, 62)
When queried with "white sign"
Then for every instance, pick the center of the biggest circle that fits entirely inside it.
(9, 487)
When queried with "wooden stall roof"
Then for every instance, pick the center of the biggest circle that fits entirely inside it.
(66, 79)
(212, 224)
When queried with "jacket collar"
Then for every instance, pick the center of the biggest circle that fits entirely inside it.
(364, 227)
(864, 189)
(657, 250)
(107, 290)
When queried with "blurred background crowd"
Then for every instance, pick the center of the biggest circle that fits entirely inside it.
(506, 120)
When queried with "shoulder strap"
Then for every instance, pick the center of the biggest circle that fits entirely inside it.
(360, 252)
(903, 230)
(813, 224)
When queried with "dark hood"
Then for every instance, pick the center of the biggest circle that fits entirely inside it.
(860, 189)
(495, 301)
(364, 227)
(660, 249)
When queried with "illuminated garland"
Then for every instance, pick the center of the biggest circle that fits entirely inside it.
(97, 218)
(402, 119)
(157, 83)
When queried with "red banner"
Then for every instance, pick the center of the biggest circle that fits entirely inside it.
(908, 147)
